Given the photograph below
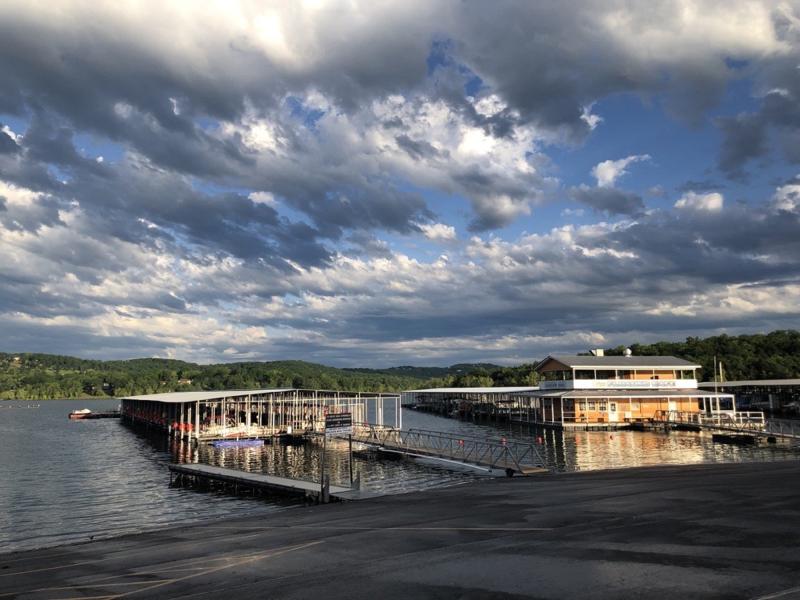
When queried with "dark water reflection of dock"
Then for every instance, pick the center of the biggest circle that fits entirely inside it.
(63, 481)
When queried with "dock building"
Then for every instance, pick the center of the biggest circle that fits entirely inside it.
(587, 392)
(261, 413)
(578, 391)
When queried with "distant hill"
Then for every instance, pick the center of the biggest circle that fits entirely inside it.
(26, 376)
(432, 372)
(42, 376)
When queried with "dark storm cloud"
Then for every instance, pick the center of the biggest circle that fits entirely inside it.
(550, 82)
(608, 200)
(745, 138)
(705, 185)
(416, 148)
(7, 144)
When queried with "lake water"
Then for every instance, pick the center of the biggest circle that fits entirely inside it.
(65, 481)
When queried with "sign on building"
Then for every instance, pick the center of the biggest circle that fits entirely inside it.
(339, 424)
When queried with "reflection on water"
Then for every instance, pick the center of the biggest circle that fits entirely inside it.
(589, 450)
(65, 481)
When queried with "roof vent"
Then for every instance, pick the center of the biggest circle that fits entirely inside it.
(597, 352)
(627, 352)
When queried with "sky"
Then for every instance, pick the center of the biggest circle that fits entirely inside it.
(384, 183)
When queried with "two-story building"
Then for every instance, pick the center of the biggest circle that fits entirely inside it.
(615, 391)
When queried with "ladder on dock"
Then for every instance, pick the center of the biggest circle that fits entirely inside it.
(513, 457)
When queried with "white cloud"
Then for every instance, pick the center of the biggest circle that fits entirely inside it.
(608, 171)
(787, 197)
(710, 202)
(263, 198)
(589, 118)
(438, 232)
(10, 133)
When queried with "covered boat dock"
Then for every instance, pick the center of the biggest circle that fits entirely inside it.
(237, 414)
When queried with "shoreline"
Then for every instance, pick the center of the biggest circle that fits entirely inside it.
(702, 530)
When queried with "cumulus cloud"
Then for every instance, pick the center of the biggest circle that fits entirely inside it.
(608, 171)
(268, 169)
(438, 232)
(711, 202)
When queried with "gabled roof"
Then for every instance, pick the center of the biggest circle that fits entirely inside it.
(620, 362)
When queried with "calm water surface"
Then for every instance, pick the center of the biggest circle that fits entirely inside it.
(63, 481)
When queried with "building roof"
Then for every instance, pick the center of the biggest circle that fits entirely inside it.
(751, 382)
(477, 390)
(175, 397)
(581, 394)
(621, 362)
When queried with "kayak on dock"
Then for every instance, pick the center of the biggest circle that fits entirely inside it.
(237, 443)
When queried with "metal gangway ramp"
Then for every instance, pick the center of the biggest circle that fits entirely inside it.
(511, 456)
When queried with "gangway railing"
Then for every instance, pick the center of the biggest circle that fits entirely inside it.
(751, 422)
(783, 428)
(513, 456)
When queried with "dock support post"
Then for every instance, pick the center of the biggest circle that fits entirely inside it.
(322, 470)
(350, 450)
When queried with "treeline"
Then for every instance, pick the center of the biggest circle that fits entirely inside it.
(774, 355)
(44, 376)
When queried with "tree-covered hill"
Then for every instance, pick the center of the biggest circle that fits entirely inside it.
(774, 355)
(43, 376)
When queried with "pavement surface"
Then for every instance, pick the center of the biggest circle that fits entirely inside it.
(705, 531)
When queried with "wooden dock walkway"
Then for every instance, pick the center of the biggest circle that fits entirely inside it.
(259, 481)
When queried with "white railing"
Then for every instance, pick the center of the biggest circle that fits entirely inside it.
(739, 420)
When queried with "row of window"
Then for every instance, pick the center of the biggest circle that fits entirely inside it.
(616, 374)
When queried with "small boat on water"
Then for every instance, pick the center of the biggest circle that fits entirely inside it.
(237, 443)
(85, 413)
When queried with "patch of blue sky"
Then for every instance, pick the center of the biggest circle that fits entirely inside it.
(15, 123)
(92, 147)
(59, 174)
(680, 155)
(206, 123)
(306, 115)
(440, 57)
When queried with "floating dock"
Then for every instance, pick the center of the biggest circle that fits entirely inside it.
(258, 482)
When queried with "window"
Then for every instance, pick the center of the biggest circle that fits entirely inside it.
(613, 407)
(581, 405)
(602, 406)
(584, 374)
(591, 405)
(606, 374)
